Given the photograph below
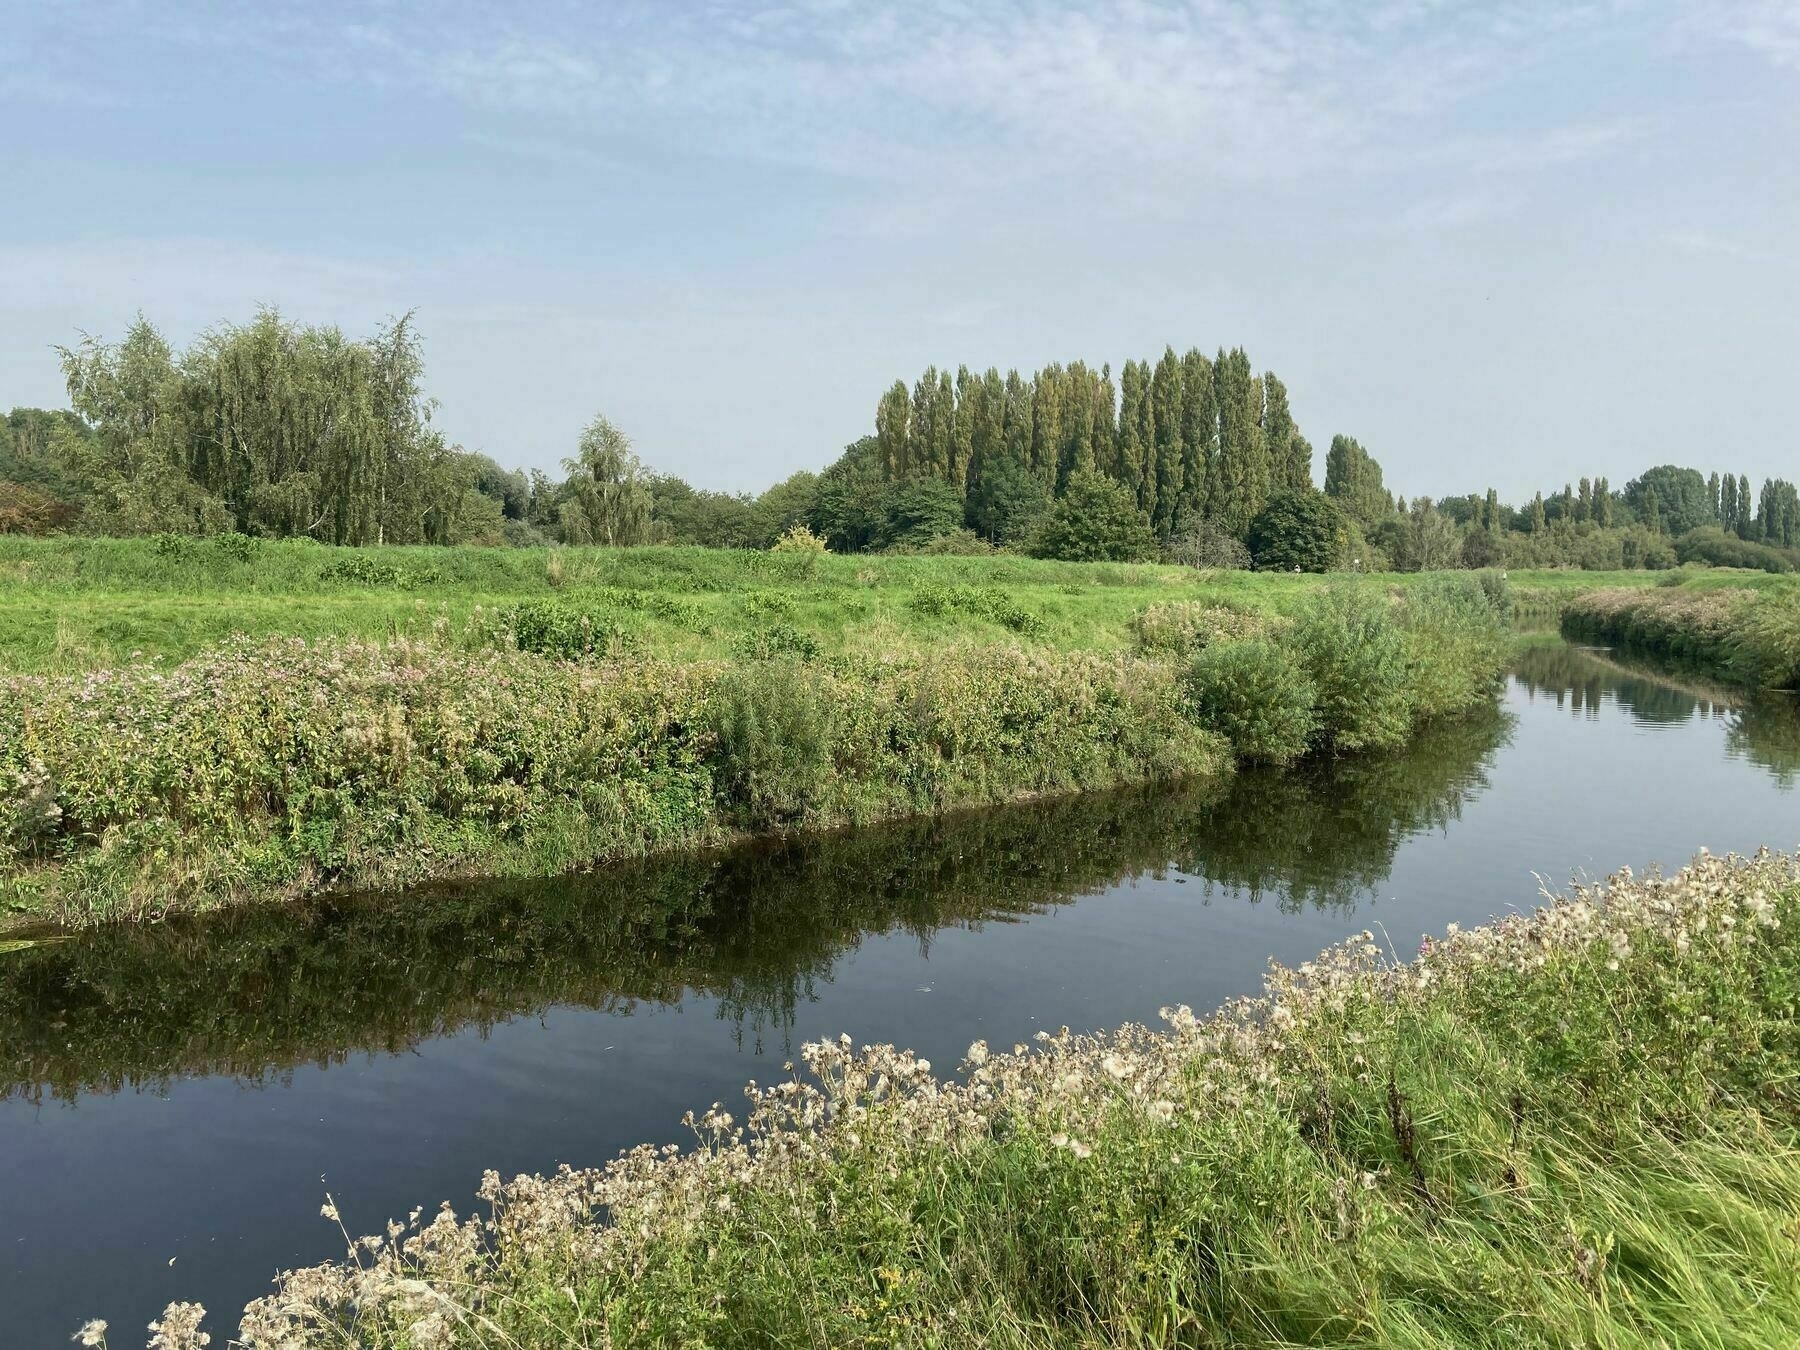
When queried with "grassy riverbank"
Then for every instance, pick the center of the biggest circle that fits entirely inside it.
(1577, 1126)
(1747, 636)
(261, 770)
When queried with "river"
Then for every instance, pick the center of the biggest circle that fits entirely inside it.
(176, 1100)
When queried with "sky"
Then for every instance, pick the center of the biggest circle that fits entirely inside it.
(1501, 244)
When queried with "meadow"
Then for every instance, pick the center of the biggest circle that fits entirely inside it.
(1573, 1126)
(76, 604)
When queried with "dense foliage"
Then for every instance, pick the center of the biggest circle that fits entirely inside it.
(262, 769)
(273, 429)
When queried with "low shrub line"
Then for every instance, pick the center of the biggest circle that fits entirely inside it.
(1749, 637)
(273, 769)
(1573, 1126)
(1358, 669)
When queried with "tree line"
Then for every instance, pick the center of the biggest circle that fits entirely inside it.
(279, 429)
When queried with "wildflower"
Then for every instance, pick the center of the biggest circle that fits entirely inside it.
(1116, 1067)
(978, 1054)
(92, 1333)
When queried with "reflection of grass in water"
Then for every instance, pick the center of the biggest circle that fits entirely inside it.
(1762, 727)
(259, 991)
(1325, 834)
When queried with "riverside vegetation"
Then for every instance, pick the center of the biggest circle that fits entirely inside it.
(529, 740)
(1747, 636)
(1571, 1126)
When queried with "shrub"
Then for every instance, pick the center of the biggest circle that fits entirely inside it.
(798, 539)
(776, 639)
(237, 547)
(986, 602)
(1356, 657)
(1710, 544)
(1095, 520)
(551, 628)
(361, 570)
(1183, 627)
(1255, 695)
(772, 738)
(1456, 642)
(1207, 544)
(1297, 532)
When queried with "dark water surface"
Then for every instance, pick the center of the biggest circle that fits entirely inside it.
(175, 1101)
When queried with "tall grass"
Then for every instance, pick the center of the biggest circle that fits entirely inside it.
(1572, 1127)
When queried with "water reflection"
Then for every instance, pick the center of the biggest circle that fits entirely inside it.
(1762, 727)
(257, 993)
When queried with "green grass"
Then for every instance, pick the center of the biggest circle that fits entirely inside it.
(1578, 1127)
(78, 604)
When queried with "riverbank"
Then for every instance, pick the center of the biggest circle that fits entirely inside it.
(264, 771)
(1527, 1135)
(1750, 637)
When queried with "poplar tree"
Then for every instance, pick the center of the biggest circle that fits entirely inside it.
(1016, 431)
(1603, 503)
(1106, 431)
(1652, 515)
(1243, 479)
(1199, 435)
(1539, 522)
(1075, 454)
(893, 425)
(962, 431)
(1290, 468)
(1584, 503)
(1046, 422)
(1128, 453)
(1712, 495)
(1743, 506)
(1728, 492)
(1166, 403)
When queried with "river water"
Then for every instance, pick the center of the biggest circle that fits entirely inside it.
(176, 1101)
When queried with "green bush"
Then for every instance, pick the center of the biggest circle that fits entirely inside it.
(772, 736)
(551, 628)
(1255, 695)
(1357, 659)
(987, 602)
(1713, 546)
(1456, 642)
(1183, 627)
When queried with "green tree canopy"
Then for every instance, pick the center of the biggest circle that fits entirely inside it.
(1095, 520)
(1298, 531)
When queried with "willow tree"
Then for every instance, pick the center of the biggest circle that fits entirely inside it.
(609, 497)
(134, 464)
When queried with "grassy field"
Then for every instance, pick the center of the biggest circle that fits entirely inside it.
(79, 604)
(1574, 1127)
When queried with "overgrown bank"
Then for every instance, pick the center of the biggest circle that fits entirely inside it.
(1750, 637)
(262, 770)
(1570, 1127)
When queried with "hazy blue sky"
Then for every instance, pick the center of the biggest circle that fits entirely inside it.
(1500, 243)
